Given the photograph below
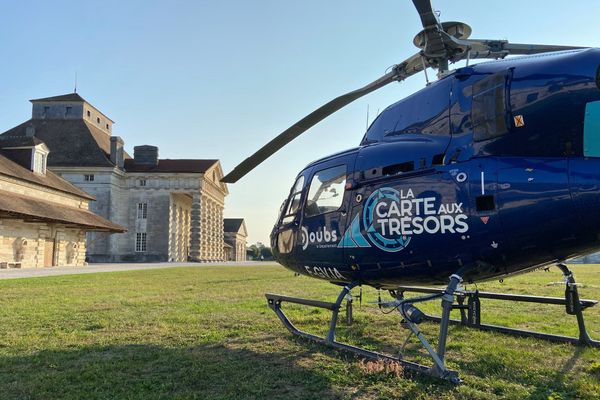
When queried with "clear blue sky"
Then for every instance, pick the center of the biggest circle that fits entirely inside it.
(218, 79)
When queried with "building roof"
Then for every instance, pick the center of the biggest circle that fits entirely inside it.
(166, 165)
(50, 180)
(19, 141)
(232, 224)
(35, 210)
(72, 142)
(63, 97)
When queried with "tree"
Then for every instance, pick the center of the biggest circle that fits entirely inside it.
(266, 253)
(254, 251)
(260, 252)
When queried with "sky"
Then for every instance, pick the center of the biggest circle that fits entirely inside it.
(218, 79)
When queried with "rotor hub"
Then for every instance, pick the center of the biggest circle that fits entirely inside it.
(459, 30)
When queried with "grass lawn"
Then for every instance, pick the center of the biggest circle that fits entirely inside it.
(207, 333)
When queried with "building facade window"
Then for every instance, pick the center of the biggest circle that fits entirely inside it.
(142, 211)
(88, 177)
(89, 113)
(68, 111)
(141, 243)
(39, 163)
(142, 182)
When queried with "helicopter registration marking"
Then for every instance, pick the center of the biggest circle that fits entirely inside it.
(325, 272)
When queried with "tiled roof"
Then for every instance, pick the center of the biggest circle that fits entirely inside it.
(31, 209)
(232, 224)
(190, 166)
(63, 97)
(18, 141)
(50, 180)
(72, 142)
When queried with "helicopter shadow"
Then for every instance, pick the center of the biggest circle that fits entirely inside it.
(148, 371)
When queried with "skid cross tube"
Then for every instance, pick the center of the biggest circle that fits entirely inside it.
(574, 305)
(437, 370)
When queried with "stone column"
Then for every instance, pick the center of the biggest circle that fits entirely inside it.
(206, 229)
(172, 231)
(208, 242)
(180, 234)
(220, 233)
(195, 229)
(186, 238)
(212, 231)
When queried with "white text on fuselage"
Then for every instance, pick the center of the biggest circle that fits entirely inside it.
(322, 238)
(414, 216)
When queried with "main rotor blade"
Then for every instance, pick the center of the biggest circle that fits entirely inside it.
(525, 48)
(398, 73)
(503, 48)
(428, 17)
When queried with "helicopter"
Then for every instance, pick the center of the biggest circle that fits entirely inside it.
(489, 171)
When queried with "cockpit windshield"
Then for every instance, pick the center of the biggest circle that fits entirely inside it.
(326, 191)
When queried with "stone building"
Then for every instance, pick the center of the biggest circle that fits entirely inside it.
(43, 218)
(172, 209)
(235, 237)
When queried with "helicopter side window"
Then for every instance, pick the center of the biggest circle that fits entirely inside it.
(293, 203)
(326, 191)
(488, 112)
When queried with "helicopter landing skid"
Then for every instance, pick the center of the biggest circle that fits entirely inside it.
(438, 369)
(470, 313)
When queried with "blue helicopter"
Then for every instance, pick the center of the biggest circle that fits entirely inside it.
(494, 169)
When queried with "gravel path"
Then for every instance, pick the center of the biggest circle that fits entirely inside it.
(94, 268)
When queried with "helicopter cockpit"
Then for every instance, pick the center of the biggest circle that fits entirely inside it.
(316, 199)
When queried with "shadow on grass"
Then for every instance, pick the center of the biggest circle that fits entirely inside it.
(152, 372)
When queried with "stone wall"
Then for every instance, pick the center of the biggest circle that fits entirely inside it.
(23, 244)
(238, 244)
(110, 198)
(184, 221)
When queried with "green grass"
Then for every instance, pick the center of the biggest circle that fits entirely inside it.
(207, 333)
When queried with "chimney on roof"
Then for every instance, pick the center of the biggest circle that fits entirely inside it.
(30, 131)
(145, 155)
(116, 151)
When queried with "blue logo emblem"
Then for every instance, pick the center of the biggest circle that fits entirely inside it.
(386, 241)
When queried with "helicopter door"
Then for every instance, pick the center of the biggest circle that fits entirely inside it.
(535, 206)
(405, 224)
(325, 212)
(285, 237)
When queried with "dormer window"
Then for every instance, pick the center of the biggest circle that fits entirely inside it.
(39, 160)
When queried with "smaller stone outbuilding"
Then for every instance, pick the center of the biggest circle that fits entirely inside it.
(43, 218)
(235, 234)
